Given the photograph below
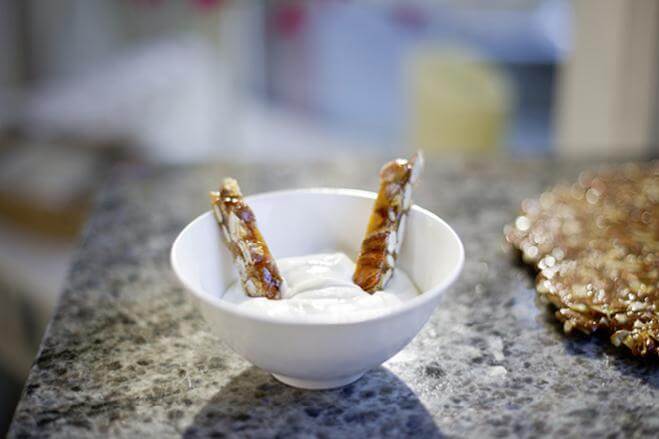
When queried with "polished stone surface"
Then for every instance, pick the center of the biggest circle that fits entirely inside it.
(127, 355)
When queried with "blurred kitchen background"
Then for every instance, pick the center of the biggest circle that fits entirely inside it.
(86, 85)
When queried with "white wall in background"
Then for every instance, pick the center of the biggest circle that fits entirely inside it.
(170, 99)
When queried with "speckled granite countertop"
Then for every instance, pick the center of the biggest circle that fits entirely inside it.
(127, 355)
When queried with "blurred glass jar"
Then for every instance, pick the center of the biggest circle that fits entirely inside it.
(458, 102)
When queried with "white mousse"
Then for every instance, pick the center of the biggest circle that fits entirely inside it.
(320, 289)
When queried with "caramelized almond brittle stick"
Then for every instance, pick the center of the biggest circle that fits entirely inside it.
(258, 271)
(386, 227)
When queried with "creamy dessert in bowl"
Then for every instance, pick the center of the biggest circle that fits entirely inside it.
(319, 288)
(311, 320)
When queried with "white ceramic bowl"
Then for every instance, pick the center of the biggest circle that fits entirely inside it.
(298, 222)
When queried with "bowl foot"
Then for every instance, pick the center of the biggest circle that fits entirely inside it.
(317, 384)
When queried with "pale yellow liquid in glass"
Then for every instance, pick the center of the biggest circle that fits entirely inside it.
(458, 103)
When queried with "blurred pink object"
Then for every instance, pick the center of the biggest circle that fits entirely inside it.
(207, 4)
(289, 19)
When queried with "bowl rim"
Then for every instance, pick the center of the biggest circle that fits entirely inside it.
(423, 298)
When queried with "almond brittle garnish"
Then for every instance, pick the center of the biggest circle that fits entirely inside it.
(386, 227)
(258, 271)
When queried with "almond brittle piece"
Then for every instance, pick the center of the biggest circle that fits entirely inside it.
(595, 245)
(386, 227)
(256, 267)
